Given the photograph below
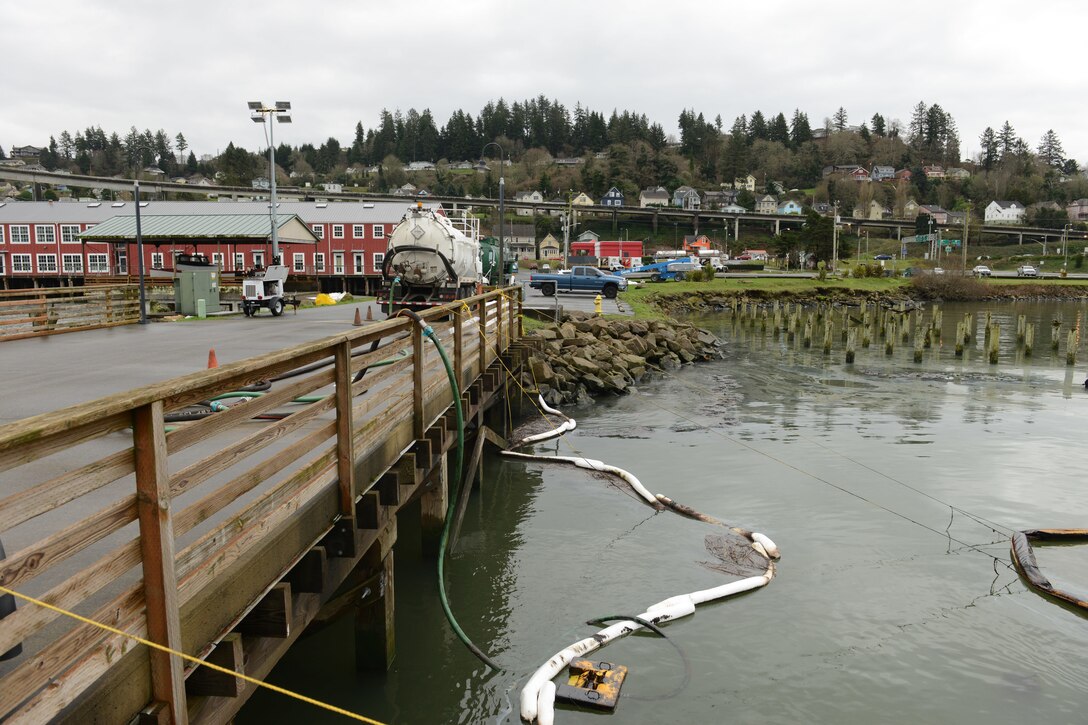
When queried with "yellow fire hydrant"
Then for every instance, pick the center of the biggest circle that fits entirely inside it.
(597, 305)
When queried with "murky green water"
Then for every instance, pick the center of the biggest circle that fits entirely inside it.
(889, 606)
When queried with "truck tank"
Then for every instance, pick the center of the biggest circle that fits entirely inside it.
(426, 250)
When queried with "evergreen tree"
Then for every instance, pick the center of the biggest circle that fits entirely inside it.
(757, 127)
(181, 144)
(916, 132)
(800, 131)
(990, 148)
(66, 145)
(779, 130)
(839, 119)
(878, 125)
(1006, 140)
(2, 155)
(1050, 150)
(357, 152)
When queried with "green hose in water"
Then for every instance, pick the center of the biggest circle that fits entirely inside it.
(459, 462)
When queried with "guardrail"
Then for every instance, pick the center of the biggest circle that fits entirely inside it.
(52, 310)
(175, 535)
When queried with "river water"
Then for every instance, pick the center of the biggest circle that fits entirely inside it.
(891, 488)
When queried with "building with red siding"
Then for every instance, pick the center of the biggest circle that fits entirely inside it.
(40, 242)
(627, 253)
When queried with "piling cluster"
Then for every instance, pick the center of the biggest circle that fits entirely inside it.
(583, 356)
(868, 323)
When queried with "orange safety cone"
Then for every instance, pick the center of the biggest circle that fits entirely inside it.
(213, 362)
(369, 313)
(358, 318)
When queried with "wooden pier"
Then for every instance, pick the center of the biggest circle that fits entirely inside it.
(223, 538)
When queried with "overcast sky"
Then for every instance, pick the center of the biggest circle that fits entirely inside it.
(191, 66)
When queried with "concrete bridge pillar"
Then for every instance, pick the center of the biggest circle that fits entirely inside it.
(736, 228)
(777, 227)
(655, 220)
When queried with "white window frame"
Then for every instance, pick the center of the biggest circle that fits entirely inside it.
(45, 234)
(1, 233)
(318, 230)
(158, 260)
(47, 263)
(319, 261)
(239, 261)
(358, 262)
(337, 262)
(358, 231)
(2, 270)
(24, 237)
(379, 231)
(337, 231)
(379, 260)
(69, 234)
(299, 262)
(122, 260)
(218, 258)
(258, 258)
(98, 263)
(71, 263)
(24, 261)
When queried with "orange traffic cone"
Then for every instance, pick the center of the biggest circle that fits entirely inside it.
(213, 362)
(370, 313)
(358, 318)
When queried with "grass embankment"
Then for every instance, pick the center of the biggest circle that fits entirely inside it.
(654, 301)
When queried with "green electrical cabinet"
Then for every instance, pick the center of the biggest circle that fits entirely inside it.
(191, 286)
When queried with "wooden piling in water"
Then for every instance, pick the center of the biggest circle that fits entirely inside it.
(1029, 339)
(851, 344)
(827, 336)
(960, 336)
(1055, 332)
(993, 337)
(1021, 325)
(1071, 348)
(889, 339)
(806, 338)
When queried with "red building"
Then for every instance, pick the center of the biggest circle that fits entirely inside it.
(40, 241)
(626, 253)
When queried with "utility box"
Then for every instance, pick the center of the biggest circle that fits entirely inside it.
(191, 285)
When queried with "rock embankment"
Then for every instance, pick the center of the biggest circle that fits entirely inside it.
(583, 356)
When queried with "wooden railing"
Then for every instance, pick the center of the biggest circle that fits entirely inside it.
(174, 534)
(51, 310)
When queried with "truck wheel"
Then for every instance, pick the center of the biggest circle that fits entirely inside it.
(679, 276)
(655, 277)
(609, 291)
(547, 289)
(276, 307)
(247, 310)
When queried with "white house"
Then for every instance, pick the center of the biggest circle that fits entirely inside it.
(652, 196)
(1004, 212)
(529, 197)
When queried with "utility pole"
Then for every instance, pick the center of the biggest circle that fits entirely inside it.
(966, 221)
(835, 237)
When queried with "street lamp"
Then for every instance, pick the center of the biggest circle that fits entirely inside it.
(502, 207)
(261, 113)
(1065, 244)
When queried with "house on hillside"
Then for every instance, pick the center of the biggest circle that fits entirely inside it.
(529, 197)
(957, 173)
(571, 161)
(940, 215)
(882, 173)
(549, 247)
(957, 218)
(860, 174)
(693, 242)
(520, 240)
(933, 172)
(910, 209)
(766, 204)
(789, 207)
(745, 182)
(1077, 210)
(873, 211)
(419, 166)
(686, 198)
(613, 197)
(903, 175)
(582, 199)
(1004, 212)
(588, 236)
(26, 152)
(717, 199)
(840, 170)
(332, 188)
(733, 208)
(653, 196)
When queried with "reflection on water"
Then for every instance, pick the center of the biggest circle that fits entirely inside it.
(891, 487)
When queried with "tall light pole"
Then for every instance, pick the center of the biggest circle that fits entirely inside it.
(1065, 245)
(502, 207)
(261, 113)
(140, 253)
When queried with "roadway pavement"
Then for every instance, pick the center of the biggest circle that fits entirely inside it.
(581, 301)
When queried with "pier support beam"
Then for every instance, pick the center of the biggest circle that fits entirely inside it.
(433, 505)
(375, 643)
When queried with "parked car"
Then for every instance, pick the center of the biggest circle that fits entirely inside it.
(883, 257)
(981, 270)
(938, 270)
(911, 272)
(1026, 270)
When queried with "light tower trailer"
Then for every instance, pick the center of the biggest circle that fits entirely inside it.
(263, 287)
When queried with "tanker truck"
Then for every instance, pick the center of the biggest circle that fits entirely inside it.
(428, 262)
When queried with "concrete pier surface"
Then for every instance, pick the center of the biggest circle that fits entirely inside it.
(47, 373)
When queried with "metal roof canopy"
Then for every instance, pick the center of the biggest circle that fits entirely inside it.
(253, 228)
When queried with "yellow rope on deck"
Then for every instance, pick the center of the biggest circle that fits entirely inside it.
(190, 658)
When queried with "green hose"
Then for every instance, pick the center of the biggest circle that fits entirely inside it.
(459, 462)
